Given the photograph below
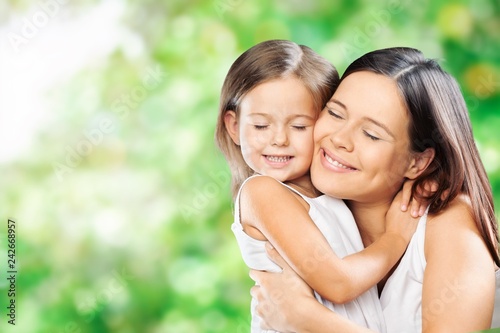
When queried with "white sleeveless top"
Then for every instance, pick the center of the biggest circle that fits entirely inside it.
(336, 223)
(401, 297)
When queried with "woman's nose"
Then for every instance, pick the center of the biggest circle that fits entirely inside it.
(341, 137)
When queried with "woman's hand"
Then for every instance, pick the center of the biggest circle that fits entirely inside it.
(287, 304)
(281, 296)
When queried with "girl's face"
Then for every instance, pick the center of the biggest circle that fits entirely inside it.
(361, 140)
(275, 129)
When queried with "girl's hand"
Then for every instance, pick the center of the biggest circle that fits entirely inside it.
(400, 222)
(418, 204)
(281, 296)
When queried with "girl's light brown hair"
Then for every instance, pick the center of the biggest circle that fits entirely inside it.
(266, 61)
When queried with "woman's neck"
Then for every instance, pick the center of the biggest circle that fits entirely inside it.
(370, 219)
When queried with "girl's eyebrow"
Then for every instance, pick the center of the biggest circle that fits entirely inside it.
(292, 116)
(373, 121)
(300, 115)
(259, 114)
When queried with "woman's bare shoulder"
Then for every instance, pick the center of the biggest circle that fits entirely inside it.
(457, 213)
(452, 229)
(458, 263)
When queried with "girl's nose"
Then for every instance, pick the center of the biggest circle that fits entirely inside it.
(280, 138)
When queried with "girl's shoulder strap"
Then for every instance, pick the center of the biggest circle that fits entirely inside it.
(237, 199)
(304, 197)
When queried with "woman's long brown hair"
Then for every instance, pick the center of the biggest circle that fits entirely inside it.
(439, 119)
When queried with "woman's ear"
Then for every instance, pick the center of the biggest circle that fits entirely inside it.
(420, 162)
(232, 128)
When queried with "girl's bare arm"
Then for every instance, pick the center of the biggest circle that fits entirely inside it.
(270, 210)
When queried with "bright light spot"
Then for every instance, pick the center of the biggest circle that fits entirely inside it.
(455, 21)
(482, 80)
(108, 225)
(48, 58)
(192, 276)
(491, 159)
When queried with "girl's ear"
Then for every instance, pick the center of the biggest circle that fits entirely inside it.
(420, 162)
(232, 128)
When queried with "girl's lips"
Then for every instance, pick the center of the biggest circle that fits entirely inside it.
(278, 160)
(334, 163)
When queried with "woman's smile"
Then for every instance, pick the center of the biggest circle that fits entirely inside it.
(334, 163)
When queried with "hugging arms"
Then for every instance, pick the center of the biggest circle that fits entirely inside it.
(394, 116)
(445, 282)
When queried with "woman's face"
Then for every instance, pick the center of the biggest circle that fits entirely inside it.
(361, 140)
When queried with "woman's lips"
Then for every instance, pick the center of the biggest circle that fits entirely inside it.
(333, 162)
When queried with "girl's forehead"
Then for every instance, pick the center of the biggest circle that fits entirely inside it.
(280, 95)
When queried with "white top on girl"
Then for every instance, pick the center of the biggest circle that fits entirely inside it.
(336, 223)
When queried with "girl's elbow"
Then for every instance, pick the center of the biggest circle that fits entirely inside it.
(341, 294)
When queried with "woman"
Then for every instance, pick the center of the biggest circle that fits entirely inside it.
(397, 115)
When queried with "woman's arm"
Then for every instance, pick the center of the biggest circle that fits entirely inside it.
(459, 279)
(282, 217)
(287, 304)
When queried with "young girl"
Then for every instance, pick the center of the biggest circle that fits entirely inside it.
(270, 101)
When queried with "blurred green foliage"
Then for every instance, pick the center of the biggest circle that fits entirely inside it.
(121, 199)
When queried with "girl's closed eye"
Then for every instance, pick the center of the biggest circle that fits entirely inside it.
(300, 127)
(260, 127)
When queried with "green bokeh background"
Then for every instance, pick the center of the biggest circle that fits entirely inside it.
(109, 169)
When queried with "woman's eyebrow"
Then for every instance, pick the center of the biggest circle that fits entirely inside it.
(379, 124)
(336, 101)
(373, 121)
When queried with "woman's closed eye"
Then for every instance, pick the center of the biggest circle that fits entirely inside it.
(372, 137)
(335, 114)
